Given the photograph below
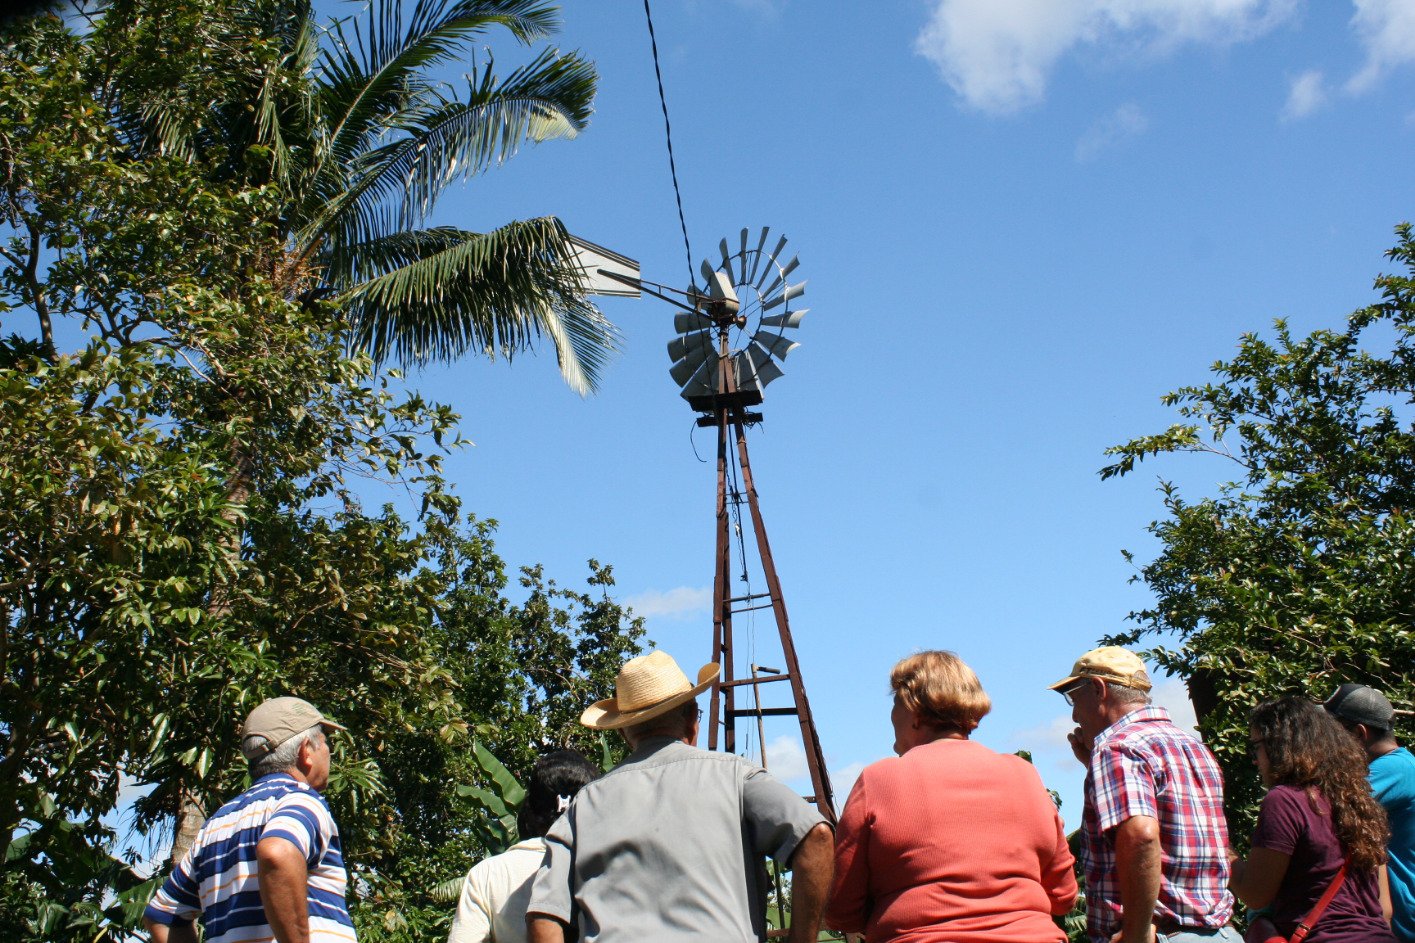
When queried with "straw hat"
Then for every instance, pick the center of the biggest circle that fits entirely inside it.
(647, 686)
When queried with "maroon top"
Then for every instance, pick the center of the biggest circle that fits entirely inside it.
(1297, 823)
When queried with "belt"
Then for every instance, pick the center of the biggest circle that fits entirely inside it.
(1174, 926)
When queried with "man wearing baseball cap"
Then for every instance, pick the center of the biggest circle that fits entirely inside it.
(268, 863)
(668, 845)
(1154, 837)
(1369, 716)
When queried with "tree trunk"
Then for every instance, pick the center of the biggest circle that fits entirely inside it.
(1203, 693)
(191, 815)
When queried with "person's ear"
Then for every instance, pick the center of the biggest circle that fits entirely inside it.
(305, 758)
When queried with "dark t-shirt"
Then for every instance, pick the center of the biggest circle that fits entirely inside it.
(1290, 824)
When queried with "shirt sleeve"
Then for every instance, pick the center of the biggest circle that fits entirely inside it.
(304, 821)
(472, 922)
(849, 908)
(1280, 821)
(178, 899)
(776, 818)
(1124, 785)
(552, 893)
(1392, 781)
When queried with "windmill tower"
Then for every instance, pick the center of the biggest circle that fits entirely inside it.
(727, 350)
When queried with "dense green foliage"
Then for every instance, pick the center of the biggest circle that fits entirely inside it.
(1300, 573)
(189, 433)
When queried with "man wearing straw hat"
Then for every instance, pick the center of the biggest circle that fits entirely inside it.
(668, 845)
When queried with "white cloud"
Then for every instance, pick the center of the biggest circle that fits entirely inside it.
(1307, 94)
(1048, 745)
(998, 54)
(786, 758)
(1173, 696)
(1386, 28)
(671, 603)
(843, 780)
(1111, 130)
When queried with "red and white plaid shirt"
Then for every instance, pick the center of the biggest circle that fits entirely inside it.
(1144, 765)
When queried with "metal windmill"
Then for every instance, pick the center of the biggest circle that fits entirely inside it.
(729, 344)
(728, 349)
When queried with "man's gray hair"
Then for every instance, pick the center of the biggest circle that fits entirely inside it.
(284, 756)
(1127, 695)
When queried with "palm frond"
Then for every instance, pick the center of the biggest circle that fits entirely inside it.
(436, 294)
(442, 138)
(369, 78)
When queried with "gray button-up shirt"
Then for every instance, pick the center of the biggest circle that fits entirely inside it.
(668, 846)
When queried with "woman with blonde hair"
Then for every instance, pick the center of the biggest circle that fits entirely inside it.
(1321, 835)
(948, 841)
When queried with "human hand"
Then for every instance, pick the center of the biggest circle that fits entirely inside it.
(1080, 746)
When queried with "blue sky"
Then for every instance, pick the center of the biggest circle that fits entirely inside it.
(1022, 222)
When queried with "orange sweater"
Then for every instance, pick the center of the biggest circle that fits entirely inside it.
(951, 842)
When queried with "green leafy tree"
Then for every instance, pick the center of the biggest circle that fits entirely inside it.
(186, 425)
(337, 143)
(523, 671)
(1300, 572)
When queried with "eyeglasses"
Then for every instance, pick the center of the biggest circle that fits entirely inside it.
(1254, 744)
(1068, 694)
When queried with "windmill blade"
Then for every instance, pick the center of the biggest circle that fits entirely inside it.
(707, 271)
(683, 371)
(743, 253)
(755, 367)
(775, 254)
(793, 291)
(746, 374)
(726, 265)
(757, 256)
(782, 275)
(688, 344)
(684, 323)
(775, 344)
(781, 321)
(703, 382)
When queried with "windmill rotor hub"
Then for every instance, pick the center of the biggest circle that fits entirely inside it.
(747, 289)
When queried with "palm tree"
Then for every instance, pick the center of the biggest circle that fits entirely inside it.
(361, 138)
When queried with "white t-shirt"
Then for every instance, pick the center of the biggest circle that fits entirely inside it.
(492, 907)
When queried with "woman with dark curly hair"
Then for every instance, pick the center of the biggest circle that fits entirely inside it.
(1319, 816)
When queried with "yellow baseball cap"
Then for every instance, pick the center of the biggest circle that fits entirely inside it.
(1111, 663)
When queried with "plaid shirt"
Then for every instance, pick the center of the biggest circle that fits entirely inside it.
(1144, 765)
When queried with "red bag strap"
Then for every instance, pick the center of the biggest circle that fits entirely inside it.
(1308, 922)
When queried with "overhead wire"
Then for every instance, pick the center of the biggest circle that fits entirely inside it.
(668, 136)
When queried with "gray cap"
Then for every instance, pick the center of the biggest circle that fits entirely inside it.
(1358, 704)
(277, 720)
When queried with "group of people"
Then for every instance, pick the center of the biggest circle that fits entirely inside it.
(947, 841)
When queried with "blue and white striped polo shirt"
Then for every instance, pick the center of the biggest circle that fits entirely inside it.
(219, 880)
